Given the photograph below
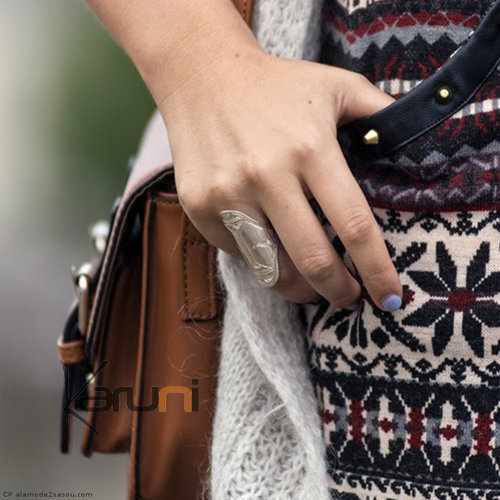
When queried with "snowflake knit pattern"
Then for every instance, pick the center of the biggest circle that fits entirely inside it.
(410, 400)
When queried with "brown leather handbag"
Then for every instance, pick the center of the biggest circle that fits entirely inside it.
(140, 345)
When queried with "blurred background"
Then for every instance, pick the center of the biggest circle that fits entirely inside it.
(72, 109)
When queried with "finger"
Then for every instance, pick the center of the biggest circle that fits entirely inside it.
(291, 284)
(307, 244)
(359, 96)
(345, 206)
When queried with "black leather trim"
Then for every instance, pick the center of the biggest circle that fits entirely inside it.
(418, 111)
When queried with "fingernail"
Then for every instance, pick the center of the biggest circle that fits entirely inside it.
(391, 303)
(352, 307)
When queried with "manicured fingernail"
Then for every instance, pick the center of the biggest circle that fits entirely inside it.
(352, 307)
(391, 303)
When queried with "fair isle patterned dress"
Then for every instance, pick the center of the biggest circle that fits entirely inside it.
(410, 400)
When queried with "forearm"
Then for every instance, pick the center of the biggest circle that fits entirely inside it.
(174, 43)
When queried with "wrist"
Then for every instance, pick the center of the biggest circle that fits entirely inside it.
(198, 64)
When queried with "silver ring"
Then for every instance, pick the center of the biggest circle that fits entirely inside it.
(257, 243)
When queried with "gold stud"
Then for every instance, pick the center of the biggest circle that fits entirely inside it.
(371, 138)
(443, 94)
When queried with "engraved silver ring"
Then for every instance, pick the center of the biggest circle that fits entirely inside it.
(258, 245)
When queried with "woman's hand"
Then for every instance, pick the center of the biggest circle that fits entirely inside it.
(257, 133)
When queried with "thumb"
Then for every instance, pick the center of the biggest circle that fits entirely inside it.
(360, 98)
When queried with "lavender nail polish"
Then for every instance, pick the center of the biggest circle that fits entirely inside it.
(391, 303)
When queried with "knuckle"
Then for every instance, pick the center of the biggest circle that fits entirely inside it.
(219, 192)
(196, 201)
(252, 170)
(379, 274)
(357, 226)
(362, 79)
(186, 196)
(292, 286)
(306, 147)
(317, 266)
(196, 210)
(358, 78)
(182, 193)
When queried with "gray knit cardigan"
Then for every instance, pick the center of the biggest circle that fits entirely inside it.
(267, 438)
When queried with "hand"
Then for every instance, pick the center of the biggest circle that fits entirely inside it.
(258, 134)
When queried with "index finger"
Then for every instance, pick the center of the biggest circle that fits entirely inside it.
(346, 208)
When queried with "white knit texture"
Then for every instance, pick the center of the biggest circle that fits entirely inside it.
(267, 441)
(267, 437)
(288, 28)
